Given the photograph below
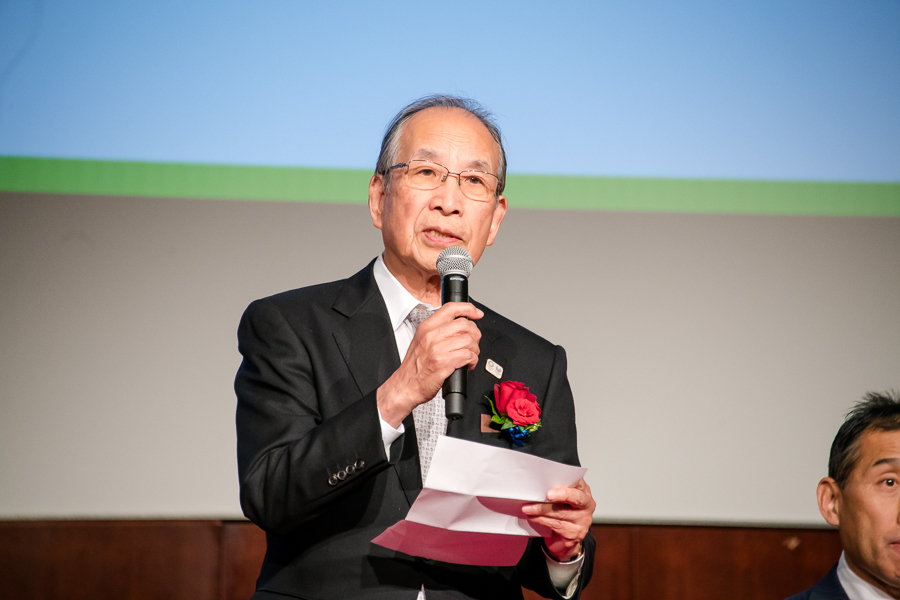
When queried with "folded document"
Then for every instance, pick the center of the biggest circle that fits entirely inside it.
(470, 509)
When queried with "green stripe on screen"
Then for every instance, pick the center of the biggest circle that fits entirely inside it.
(179, 180)
(119, 178)
(705, 195)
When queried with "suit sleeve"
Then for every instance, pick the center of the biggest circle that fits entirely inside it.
(293, 459)
(556, 440)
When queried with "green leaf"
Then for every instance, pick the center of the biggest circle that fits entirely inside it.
(497, 419)
(494, 410)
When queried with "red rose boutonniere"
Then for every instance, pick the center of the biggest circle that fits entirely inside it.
(516, 410)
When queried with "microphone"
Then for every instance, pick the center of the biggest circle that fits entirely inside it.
(454, 266)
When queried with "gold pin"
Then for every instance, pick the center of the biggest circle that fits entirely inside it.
(493, 368)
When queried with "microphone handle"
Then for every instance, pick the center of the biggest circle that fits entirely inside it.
(455, 288)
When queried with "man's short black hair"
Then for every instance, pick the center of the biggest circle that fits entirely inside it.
(879, 411)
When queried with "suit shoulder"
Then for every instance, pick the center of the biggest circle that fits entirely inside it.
(317, 296)
(829, 587)
(311, 294)
(495, 320)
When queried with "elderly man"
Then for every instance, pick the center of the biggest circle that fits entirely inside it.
(861, 496)
(338, 392)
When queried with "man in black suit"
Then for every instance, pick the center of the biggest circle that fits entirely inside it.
(861, 496)
(331, 444)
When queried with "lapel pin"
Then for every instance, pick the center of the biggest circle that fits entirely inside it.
(493, 368)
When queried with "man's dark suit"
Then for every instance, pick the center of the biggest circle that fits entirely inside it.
(311, 459)
(828, 588)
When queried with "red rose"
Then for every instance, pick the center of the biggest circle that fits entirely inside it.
(506, 391)
(524, 411)
(514, 400)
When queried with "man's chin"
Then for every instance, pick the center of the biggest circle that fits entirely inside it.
(886, 575)
(429, 256)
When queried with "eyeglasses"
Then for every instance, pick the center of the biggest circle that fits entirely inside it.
(426, 175)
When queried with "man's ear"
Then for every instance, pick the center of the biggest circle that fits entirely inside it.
(829, 496)
(376, 199)
(497, 218)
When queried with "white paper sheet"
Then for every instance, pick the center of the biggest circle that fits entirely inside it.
(470, 509)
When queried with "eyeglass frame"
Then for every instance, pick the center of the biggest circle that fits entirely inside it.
(449, 173)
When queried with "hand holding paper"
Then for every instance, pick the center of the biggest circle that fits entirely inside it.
(569, 518)
(472, 507)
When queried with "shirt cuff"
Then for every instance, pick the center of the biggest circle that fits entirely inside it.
(388, 434)
(564, 575)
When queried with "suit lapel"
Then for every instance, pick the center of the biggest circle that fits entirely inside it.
(368, 346)
(480, 383)
(407, 466)
(366, 340)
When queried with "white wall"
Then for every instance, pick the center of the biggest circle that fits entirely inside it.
(712, 357)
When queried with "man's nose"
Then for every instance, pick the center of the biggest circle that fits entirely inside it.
(449, 198)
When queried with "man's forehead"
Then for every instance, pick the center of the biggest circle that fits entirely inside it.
(483, 164)
(436, 132)
(444, 114)
(878, 447)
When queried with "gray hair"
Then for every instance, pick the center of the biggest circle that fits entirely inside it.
(390, 145)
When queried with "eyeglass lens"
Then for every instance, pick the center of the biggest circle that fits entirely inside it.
(426, 175)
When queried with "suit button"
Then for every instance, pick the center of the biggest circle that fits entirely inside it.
(333, 480)
(350, 469)
(342, 475)
(359, 464)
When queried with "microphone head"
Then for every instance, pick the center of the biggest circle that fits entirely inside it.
(454, 261)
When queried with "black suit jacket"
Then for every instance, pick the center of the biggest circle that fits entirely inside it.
(311, 461)
(828, 588)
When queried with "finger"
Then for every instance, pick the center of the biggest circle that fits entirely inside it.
(559, 530)
(573, 503)
(566, 522)
(570, 496)
(564, 529)
(455, 310)
(578, 495)
(560, 511)
(447, 362)
(448, 337)
(453, 327)
(446, 349)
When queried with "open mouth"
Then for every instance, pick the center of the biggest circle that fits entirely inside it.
(440, 236)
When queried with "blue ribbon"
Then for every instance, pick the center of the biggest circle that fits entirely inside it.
(518, 435)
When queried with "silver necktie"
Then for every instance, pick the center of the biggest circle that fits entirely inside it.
(430, 418)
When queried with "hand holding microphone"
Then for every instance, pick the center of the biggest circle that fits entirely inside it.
(454, 266)
(440, 339)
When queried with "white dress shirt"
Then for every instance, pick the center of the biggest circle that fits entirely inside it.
(399, 303)
(855, 586)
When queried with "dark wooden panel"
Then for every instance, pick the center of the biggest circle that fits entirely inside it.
(130, 560)
(710, 563)
(200, 560)
(243, 549)
(244, 546)
(612, 565)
